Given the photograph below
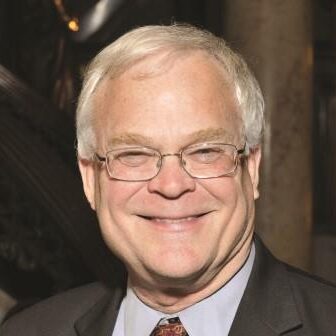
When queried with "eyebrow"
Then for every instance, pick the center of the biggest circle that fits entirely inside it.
(208, 134)
(212, 134)
(130, 139)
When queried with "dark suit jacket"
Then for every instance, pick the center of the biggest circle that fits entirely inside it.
(278, 300)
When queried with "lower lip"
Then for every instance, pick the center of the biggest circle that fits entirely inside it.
(176, 225)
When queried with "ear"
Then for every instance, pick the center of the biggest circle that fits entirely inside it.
(87, 171)
(253, 164)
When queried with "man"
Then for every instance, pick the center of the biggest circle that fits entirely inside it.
(169, 125)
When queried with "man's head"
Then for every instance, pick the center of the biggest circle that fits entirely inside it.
(177, 117)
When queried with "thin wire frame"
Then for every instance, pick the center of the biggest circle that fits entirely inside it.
(237, 153)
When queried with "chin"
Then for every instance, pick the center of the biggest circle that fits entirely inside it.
(176, 273)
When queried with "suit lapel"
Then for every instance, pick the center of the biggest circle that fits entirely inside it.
(101, 318)
(268, 306)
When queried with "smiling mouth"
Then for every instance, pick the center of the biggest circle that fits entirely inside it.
(175, 220)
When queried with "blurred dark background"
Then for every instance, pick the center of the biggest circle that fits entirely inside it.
(49, 239)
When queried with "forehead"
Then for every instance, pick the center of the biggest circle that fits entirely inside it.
(185, 92)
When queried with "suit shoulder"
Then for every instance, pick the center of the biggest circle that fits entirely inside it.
(312, 283)
(313, 294)
(57, 312)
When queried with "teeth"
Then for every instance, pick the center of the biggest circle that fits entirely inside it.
(168, 220)
(173, 220)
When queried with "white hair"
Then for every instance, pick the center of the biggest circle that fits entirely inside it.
(146, 41)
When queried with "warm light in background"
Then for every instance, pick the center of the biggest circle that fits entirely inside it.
(73, 25)
(72, 22)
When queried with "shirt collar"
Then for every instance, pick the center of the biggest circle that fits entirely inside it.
(213, 315)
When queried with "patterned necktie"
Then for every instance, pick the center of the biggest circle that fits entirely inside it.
(169, 327)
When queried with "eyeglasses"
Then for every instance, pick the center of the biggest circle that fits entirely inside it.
(204, 160)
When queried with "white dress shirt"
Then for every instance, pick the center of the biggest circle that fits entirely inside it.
(212, 316)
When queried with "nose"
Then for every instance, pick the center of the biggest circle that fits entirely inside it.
(172, 180)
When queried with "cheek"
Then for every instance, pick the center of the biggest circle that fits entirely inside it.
(231, 222)
(114, 215)
(232, 189)
(233, 197)
(224, 189)
(111, 203)
(114, 196)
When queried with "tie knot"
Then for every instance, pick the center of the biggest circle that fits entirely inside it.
(169, 327)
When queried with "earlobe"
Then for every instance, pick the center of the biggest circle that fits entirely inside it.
(87, 171)
(254, 159)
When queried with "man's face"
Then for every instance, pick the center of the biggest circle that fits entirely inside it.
(174, 230)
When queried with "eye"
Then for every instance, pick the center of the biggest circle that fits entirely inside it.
(134, 157)
(206, 154)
